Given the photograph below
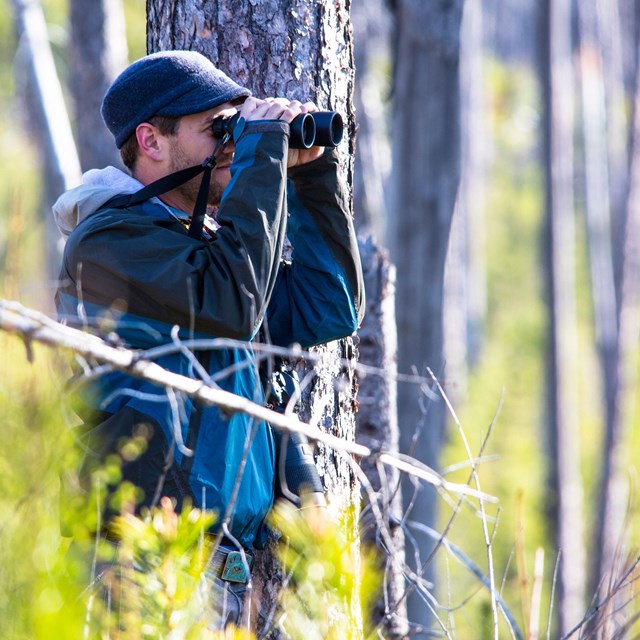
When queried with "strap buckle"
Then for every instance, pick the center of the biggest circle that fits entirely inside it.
(235, 569)
(210, 162)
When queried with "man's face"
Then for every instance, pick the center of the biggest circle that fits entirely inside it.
(193, 143)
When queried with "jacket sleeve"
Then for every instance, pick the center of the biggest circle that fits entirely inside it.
(319, 295)
(154, 270)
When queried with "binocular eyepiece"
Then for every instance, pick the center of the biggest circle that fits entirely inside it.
(322, 129)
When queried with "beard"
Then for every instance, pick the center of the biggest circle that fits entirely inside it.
(189, 190)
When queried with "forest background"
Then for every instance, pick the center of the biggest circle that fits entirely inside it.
(499, 382)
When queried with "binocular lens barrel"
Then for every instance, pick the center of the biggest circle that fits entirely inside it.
(328, 128)
(323, 129)
(302, 132)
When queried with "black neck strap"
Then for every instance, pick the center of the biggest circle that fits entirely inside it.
(173, 180)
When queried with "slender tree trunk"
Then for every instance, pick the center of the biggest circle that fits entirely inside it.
(475, 149)
(465, 277)
(372, 36)
(49, 116)
(98, 52)
(601, 261)
(300, 50)
(425, 180)
(610, 41)
(598, 201)
(613, 501)
(566, 510)
(377, 428)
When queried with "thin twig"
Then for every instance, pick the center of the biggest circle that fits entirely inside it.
(485, 529)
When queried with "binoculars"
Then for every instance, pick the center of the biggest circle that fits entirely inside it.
(322, 129)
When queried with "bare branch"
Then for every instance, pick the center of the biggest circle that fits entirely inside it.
(33, 326)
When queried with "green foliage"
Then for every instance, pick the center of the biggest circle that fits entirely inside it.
(36, 449)
(332, 585)
(58, 588)
(151, 582)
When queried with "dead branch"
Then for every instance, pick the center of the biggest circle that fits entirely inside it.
(36, 327)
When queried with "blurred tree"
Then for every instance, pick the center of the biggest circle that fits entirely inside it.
(613, 500)
(377, 418)
(605, 24)
(48, 119)
(97, 54)
(465, 274)
(565, 488)
(302, 52)
(372, 33)
(508, 30)
(425, 181)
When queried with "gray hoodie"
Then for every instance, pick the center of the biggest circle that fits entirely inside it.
(98, 187)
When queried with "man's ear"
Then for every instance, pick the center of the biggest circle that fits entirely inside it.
(150, 141)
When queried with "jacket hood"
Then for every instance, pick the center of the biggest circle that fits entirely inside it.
(98, 187)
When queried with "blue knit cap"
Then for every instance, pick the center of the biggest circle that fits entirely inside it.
(168, 83)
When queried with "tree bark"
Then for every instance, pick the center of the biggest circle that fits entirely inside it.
(98, 52)
(300, 50)
(425, 180)
(377, 428)
(565, 489)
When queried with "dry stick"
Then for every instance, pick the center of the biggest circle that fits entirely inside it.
(456, 509)
(521, 564)
(416, 579)
(465, 561)
(598, 610)
(51, 333)
(485, 529)
(264, 349)
(536, 594)
(598, 607)
(554, 582)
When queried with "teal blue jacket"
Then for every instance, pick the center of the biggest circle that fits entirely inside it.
(134, 275)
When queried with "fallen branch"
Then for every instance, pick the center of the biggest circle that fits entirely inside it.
(34, 326)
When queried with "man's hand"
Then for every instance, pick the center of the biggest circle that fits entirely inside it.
(287, 110)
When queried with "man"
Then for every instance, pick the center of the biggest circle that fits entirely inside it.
(138, 266)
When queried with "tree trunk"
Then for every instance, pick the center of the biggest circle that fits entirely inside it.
(372, 47)
(601, 260)
(49, 118)
(300, 50)
(377, 418)
(98, 52)
(598, 201)
(475, 150)
(465, 274)
(610, 552)
(566, 511)
(609, 31)
(377, 428)
(425, 180)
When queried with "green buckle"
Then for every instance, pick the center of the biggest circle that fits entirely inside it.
(235, 569)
